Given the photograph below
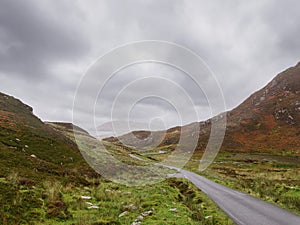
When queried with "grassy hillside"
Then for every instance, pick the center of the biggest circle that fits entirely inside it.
(32, 148)
(45, 180)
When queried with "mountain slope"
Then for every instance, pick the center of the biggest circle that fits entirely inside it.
(270, 118)
(32, 148)
(267, 121)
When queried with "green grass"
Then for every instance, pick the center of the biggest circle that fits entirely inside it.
(55, 203)
(47, 189)
(272, 178)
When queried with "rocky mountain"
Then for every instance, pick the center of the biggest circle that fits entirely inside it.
(267, 121)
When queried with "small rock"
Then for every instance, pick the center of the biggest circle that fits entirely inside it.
(26, 146)
(136, 223)
(89, 203)
(123, 214)
(127, 193)
(86, 197)
(173, 210)
(17, 139)
(208, 217)
(140, 217)
(33, 156)
(147, 213)
(93, 207)
(130, 207)
(161, 152)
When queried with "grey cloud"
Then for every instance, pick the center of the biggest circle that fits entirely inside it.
(45, 47)
(35, 39)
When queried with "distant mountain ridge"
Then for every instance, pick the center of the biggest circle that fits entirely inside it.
(267, 121)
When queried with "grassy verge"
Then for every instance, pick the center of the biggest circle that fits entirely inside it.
(174, 201)
(272, 178)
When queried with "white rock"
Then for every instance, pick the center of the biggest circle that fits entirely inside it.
(93, 207)
(123, 214)
(33, 156)
(147, 213)
(173, 210)
(208, 217)
(86, 197)
(136, 223)
(26, 146)
(140, 217)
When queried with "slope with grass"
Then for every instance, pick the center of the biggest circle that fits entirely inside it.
(32, 148)
(45, 180)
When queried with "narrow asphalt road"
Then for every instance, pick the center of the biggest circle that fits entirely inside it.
(242, 208)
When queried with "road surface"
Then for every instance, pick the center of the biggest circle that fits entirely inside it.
(242, 208)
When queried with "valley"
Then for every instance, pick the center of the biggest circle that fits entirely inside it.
(45, 179)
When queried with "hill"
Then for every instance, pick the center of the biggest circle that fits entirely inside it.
(34, 149)
(45, 180)
(267, 121)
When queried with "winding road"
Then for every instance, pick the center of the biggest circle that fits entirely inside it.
(242, 208)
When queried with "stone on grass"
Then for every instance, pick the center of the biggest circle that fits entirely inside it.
(86, 197)
(140, 217)
(123, 214)
(93, 207)
(130, 207)
(136, 223)
(147, 213)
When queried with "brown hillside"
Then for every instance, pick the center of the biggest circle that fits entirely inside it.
(267, 121)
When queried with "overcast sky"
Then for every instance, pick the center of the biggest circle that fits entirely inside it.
(47, 46)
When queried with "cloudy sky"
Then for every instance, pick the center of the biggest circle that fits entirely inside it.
(46, 48)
